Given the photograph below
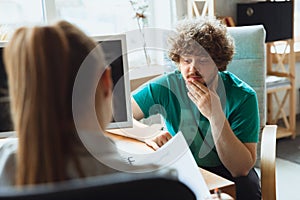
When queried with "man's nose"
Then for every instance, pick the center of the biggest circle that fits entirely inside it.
(193, 66)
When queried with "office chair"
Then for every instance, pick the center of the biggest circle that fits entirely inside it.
(148, 186)
(249, 64)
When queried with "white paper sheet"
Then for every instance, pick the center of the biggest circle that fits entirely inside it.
(175, 154)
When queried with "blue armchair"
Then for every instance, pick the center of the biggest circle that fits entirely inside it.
(249, 64)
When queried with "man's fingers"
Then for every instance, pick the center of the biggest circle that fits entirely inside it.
(164, 138)
(152, 144)
(200, 86)
(159, 140)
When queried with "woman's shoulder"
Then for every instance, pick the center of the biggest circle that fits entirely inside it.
(8, 150)
(8, 146)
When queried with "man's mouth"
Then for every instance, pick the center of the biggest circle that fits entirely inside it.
(194, 78)
(197, 78)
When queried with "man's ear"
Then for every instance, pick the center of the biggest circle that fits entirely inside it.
(106, 81)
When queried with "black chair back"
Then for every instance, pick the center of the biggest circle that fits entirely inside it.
(147, 186)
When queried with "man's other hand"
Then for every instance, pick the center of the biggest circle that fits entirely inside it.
(159, 140)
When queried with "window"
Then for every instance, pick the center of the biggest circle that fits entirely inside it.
(14, 13)
(97, 18)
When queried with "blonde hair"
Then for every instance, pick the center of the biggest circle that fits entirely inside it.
(42, 63)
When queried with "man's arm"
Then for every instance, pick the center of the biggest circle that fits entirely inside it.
(136, 110)
(157, 141)
(236, 156)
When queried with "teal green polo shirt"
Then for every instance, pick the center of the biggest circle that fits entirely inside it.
(167, 95)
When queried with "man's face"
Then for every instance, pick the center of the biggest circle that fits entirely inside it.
(200, 68)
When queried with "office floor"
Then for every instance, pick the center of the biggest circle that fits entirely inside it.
(288, 179)
(288, 176)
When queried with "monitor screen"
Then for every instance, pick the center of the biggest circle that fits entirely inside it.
(115, 50)
(3, 77)
(5, 117)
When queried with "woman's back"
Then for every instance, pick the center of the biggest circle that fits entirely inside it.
(42, 63)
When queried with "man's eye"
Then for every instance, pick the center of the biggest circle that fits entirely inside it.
(204, 60)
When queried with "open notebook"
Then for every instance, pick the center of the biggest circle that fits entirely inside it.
(175, 154)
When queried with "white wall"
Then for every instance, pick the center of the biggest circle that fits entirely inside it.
(298, 87)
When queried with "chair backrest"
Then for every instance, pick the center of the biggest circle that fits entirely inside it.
(249, 62)
(147, 186)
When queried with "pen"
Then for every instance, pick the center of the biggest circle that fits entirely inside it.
(217, 191)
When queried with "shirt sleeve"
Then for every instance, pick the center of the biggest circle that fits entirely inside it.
(244, 120)
(152, 98)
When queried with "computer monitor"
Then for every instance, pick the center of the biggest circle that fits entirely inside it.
(3, 76)
(5, 117)
(115, 50)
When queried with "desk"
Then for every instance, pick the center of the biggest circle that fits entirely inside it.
(212, 180)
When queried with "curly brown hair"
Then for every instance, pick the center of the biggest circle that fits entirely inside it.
(202, 36)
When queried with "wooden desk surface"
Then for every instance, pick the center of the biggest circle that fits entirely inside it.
(212, 180)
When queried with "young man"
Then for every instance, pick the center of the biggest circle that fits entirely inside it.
(216, 111)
